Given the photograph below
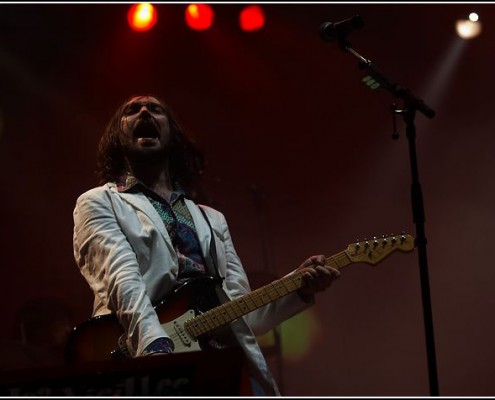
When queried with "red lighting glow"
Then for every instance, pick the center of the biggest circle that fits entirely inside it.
(142, 17)
(199, 16)
(252, 18)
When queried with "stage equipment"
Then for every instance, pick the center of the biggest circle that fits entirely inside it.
(142, 17)
(199, 16)
(251, 18)
(339, 31)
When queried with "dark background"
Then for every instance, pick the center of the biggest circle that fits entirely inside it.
(300, 159)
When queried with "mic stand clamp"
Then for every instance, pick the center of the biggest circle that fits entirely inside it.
(395, 110)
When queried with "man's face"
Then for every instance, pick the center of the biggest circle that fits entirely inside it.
(145, 129)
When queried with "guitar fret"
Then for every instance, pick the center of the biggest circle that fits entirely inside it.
(272, 293)
(264, 297)
(195, 326)
(280, 288)
(344, 258)
(235, 311)
(221, 317)
(296, 280)
(330, 261)
(228, 311)
(257, 295)
(241, 304)
(252, 305)
(205, 325)
(338, 260)
(210, 321)
(288, 284)
(257, 299)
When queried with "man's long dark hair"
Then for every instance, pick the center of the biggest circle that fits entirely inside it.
(186, 162)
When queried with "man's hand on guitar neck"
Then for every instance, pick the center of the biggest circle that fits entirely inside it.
(316, 276)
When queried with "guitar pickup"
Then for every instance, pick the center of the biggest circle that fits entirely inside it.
(181, 332)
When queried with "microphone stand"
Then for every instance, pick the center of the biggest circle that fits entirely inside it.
(411, 105)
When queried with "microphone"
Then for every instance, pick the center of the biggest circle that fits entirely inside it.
(338, 30)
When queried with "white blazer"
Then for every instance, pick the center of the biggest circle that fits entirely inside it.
(123, 250)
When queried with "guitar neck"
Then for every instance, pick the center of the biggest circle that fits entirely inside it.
(230, 311)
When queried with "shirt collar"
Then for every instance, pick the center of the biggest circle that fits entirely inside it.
(127, 181)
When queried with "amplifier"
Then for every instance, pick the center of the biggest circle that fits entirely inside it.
(202, 373)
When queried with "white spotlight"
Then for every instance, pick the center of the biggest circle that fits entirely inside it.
(469, 28)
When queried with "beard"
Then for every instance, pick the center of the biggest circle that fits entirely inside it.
(135, 154)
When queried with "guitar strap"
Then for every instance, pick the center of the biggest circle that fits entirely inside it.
(212, 266)
(211, 258)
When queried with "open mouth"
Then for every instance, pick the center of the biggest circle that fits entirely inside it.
(146, 130)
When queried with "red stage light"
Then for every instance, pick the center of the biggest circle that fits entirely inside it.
(199, 16)
(252, 18)
(142, 17)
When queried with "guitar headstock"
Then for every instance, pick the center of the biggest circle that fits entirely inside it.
(374, 250)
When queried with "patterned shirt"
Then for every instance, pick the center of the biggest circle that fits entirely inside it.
(179, 223)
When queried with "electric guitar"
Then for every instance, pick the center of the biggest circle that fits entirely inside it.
(187, 321)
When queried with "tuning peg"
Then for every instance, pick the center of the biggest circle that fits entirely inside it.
(384, 241)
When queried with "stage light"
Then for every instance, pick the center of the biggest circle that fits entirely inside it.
(470, 27)
(251, 18)
(199, 16)
(142, 17)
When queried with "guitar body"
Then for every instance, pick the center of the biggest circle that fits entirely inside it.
(96, 338)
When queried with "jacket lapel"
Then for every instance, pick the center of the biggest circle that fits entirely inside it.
(141, 202)
(202, 228)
